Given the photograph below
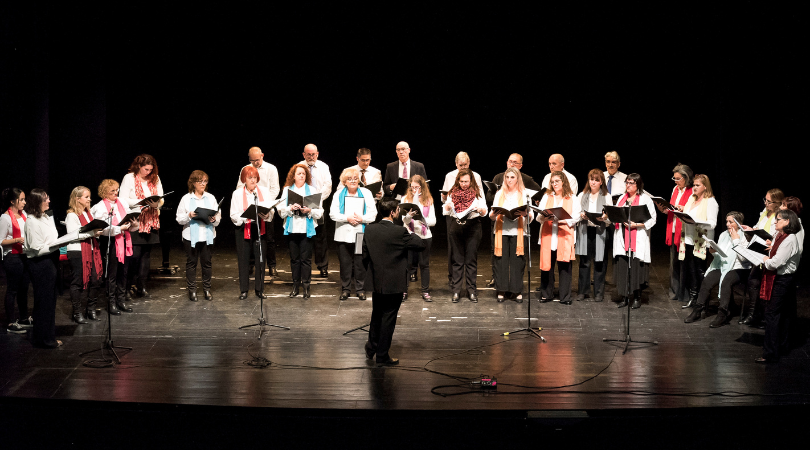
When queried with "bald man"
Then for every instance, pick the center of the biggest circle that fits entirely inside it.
(403, 167)
(322, 182)
(557, 162)
(268, 178)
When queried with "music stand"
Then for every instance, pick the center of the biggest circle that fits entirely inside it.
(108, 343)
(623, 215)
(262, 322)
(358, 250)
(528, 249)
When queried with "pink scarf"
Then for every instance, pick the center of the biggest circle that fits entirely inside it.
(123, 242)
(150, 217)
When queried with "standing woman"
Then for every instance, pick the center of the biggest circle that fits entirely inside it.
(248, 232)
(636, 237)
(465, 231)
(15, 263)
(299, 226)
(510, 244)
(114, 258)
(141, 182)
(767, 221)
(777, 289)
(84, 257)
(702, 206)
(346, 229)
(557, 239)
(682, 175)
(591, 236)
(198, 236)
(419, 194)
(40, 235)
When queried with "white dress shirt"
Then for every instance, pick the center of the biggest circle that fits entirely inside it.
(642, 234)
(237, 208)
(344, 231)
(206, 201)
(617, 186)
(299, 224)
(127, 191)
(268, 178)
(373, 174)
(607, 199)
(321, 179)
(430, 219)
(100, 212)
(558, 202)
(787, 257)
(689, 230)
(572, 181)
(450, 180)
(40, 234)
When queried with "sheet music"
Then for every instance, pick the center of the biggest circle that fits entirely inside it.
(714, 246)
(353, 205)
(751, 256)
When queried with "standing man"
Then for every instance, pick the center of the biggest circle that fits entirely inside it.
(462, 162)
(614, 178)
(404, 167)
(557, 162)
(385, 250)
(322, 182)
(268, 179)
(368, 174)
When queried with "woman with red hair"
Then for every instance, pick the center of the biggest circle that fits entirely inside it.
(248, 231)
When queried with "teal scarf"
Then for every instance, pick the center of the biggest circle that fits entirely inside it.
(194, 225)
(288, 224)
(342, 203)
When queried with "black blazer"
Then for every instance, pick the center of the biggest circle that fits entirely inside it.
(385, 248)
(392, 173)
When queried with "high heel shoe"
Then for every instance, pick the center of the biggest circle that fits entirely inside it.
(79, 318)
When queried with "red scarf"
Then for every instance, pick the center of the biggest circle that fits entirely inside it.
(16, 232)
(123, 241)
(670, 217)
(245, 207)
(769, 276)
(462, 199)
(630, 234)
(91, 255)
(150, 217)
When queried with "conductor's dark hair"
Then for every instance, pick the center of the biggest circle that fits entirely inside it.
(387, 206)
(793, 226)
(10, 195)
(34, 203)
(639, 182)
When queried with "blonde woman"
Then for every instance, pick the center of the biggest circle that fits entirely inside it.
(702, 206)
(84, 257)
(510, 244)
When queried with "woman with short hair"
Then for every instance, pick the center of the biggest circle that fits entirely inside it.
(683, 177)
(198, 236)
(248, 231)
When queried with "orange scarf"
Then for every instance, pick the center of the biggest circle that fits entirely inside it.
(499, 228)
(565, 237)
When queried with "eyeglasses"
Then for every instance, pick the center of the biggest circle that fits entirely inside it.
(629, 182)
(677, 180)
(202, 182)
(352, 179)
(768, 202)
(556, 181)
(609, 162)
(782, 218)
(403, 149)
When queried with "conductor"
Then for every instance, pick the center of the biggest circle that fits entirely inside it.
(385, 249)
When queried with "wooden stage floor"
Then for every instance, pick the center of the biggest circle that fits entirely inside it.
(188, 355)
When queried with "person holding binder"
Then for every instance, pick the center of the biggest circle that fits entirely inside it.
(15, 263)
(557, 238)
(635, 237)
(140, 183)
(724, 271)
(465, 205)
(419, 195)
(119, 237)
(199, 231)
(510, 244)
(40, 236)
(84, 256)
(591, 240)
(248, 233)
(355, 207)
(701, 206)
(300, 221)
(682, 175)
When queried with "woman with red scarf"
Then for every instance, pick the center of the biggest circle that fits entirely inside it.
(116, 244)
(465, 206)
(557, 238)
(636, 237)
(683, 177)
(142, 182)
(777, 285)
(15, 263)
(84, 256)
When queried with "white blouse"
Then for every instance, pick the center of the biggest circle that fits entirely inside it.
(237, 208)
(510, 227)
(206, 201)
(344, 231)
(40, 234)
(787, 257)
(126, 192)
(607, 201)
(299, 223)
(99, 211)
(430, 219)
(72, 223)
(558, 202)
(7, 231)
(689, 230)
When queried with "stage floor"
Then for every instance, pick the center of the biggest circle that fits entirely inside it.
(187, 353)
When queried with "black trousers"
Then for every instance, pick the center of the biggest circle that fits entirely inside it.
(116, 280)
(138, 265)
(383, 321)
(17, 281)
(448, 220)
(547, 279)
(422, 261)
(694, 268)
(754, 304)
(599, 267)
(778, 317)
(678, 288)
(78, 294)
(509, 266)
(244, 249)
(320, 246)
(712, 280)
(43, 280)
(464, 242)
(351, 268)
(300, 256)
(202, 252)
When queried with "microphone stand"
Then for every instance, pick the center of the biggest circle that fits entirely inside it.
(108, 342)
(262, 321)
(528, 250)
(627, 339)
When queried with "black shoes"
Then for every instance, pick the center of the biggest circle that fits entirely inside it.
(123, 307)
(192, 295)
(361, 295)
(294, 292)
(113, 309)
(719, 319)
(622, 303)
(695, 315)
(261, 294)
(243, 295)
(344, 295)
(142, 293)
(413, 278)
(455, 297)
(491, 283)
(207, 293)
(79, 318)
(324, 273)
(565, 302)
(388, 362)
(274, 271)
(473, 298)
(636, 303)
(91, 314)
(306, 290)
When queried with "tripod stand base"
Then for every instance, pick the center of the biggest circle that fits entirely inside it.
(531, 332)
(109, 345)
(261, 324)
(627, 340)
(360, 328)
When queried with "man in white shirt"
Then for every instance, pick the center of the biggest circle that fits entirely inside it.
(462, 162)
(368, 174)
(268, 178)
(614, 178)
(404, 167)
(322, 182)
(556, 162)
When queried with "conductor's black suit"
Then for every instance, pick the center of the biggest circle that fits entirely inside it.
(385, 249)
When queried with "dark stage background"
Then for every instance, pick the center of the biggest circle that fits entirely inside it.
(84, 90)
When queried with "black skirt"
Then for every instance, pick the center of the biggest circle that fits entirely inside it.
(639, 275)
